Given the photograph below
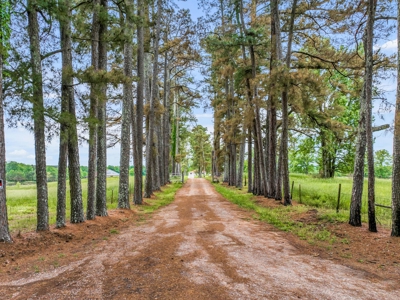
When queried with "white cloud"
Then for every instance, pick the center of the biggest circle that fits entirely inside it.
(389, 45)
(19, 153)
(203, 116)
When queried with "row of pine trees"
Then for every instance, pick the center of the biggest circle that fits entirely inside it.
(81, 70)
(274, 70)
(294, 70)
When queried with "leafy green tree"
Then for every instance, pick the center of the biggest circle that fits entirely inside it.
(383, 164)
(302, 156)
(200, 147)
(15, 175)
(52, 173)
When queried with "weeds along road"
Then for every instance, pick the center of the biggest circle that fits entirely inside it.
(199, 247)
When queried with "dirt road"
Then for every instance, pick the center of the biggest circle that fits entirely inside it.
(199, 247)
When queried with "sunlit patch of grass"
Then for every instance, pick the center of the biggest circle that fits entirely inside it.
(22, 203)
(279, 216)
(164, 197)
(323, 193)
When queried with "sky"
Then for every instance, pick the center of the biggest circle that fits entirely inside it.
(20, 142)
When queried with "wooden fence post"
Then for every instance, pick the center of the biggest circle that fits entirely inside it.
(300, 193)
(291, 192)
(338, 198)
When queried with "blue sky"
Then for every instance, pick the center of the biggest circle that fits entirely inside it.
(20, 142)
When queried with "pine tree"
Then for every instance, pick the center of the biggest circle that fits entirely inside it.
(38, 117)
(92, 171)
(137, 127)
(4, 36)
(123, 194)
(396, 145)
(151, 150)
(101, 182)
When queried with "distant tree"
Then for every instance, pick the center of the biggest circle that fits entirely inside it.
(15, 175)
(200, 146)
(383, 164)
(302, 157)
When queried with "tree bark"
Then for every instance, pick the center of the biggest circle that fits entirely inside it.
(101, 184)
(239, 183)
(123, 191)
(92, 163)
(358, 177)
(278, 192)
(63, 148)
(4, 230)
(138, 129)
(77, 214)
(276, 53)
(38, 118)
(368, 97)
(226, 166)
(249, 161)
(166, 119)
(150, 171)
(285, 116)
(257, 119)
(396, 145)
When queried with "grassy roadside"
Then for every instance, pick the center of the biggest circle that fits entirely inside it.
(21, 202)
(286, 218)
(162, 198)
(323, 193)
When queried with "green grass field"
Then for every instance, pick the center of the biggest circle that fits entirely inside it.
(323, 193)
(21, 202)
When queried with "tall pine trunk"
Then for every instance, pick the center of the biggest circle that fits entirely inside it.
(272, 101)
(138, 119)
(239, 183)
(284, 168)
(38, 118)
(63, 148)
(92, 163)
(358, 176)
(101, 184)
(151, 147)
(77, 214)
(4, 230)
(278, 192)
(166, 120)
(368, 97)
(260, 177)
(123, 192)
(249, 161)
(396, 145)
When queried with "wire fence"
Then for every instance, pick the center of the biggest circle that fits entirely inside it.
(337, 196)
